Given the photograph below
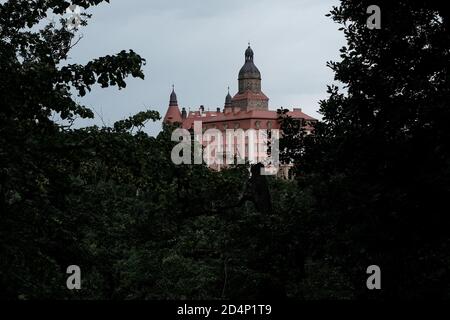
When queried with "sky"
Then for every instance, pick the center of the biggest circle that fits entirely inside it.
(198, 45)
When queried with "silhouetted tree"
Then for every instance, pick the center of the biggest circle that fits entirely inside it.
(378, 164)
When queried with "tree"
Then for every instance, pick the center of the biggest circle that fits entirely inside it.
(110, 200)
(39, 160)
(378, 163)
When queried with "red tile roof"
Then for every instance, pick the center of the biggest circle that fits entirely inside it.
(249, 95)
(173, 115)
(212, 117)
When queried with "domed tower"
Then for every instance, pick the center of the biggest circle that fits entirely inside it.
(249, 76)
(250, 96)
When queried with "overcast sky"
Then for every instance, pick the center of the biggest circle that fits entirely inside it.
(199, 45)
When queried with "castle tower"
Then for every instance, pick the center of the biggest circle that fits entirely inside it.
(228, 101)
(173, 114)
(250, 96)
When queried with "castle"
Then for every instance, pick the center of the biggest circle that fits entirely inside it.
(248, 109)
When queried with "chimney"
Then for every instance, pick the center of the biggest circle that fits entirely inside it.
(183, 113)
(298, 110)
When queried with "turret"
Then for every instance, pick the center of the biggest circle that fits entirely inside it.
(250, 96)
(173, 114)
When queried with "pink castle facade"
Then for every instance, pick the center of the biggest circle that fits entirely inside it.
(248, 109)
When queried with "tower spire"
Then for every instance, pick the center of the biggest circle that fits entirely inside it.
(173, 98)
(173, 114)
(228, 99)
(249, 53)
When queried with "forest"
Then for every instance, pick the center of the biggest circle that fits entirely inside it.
(372, 182)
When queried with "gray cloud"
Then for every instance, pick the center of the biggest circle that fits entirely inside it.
(199, 45)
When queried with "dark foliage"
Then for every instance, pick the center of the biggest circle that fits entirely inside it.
(378, 165)
(373, 180)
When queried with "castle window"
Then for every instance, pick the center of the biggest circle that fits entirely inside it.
(269, 125)
(237, 125)
(225, 126)
(258, 124)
